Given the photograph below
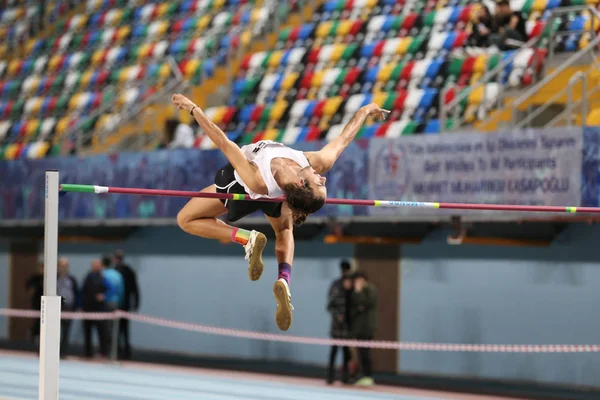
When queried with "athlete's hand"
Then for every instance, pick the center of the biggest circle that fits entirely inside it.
(182, 102)
(374, 110)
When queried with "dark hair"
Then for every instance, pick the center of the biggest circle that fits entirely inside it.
(503, 3)
(360, 274)
(302, 201)
(119, 255)
(171, 125)
(106, 261)
(345, 266)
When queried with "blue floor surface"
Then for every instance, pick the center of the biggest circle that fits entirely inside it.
(82, 381)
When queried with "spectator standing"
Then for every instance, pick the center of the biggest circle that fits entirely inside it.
(114, 293)
(178, 135)
(131, 301)
(66, 287)
(338, 305)
(93, 294)
(363, 315)
(114, 285)
(35, 289)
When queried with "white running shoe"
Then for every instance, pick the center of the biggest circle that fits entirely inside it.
(254, 248)
(283, 296)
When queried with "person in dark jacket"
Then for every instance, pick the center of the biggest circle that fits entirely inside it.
(66, 287)
(338, 306)
(93, 293)
(363, 314)
(131, 302)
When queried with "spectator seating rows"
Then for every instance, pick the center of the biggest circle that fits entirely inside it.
(117, 45)
(404, 53)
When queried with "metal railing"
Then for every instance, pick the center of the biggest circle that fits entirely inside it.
(525, 122)
(496, 74)
(177, 83)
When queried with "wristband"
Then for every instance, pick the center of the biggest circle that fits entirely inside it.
(192, 110)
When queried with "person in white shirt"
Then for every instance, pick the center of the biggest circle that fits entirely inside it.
(178, 135)
(265, 170)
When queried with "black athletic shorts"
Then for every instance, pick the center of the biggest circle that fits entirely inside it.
(236, 209)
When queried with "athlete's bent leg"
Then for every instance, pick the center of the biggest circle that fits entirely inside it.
(199, 217)
(284, 251)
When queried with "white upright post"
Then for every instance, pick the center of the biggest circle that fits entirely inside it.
(51, 303)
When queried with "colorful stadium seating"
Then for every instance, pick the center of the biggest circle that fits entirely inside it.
(114, 44)
(400, 54)
(403, 54)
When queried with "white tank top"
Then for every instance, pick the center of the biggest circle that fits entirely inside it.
(261, 153)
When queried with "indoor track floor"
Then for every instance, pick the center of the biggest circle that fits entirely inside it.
(133, 381)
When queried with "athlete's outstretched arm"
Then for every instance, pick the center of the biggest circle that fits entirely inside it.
(244, 168)
(323, 160)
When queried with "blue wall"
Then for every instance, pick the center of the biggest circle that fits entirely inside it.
(496, 295)
(195, 280)
(4, 292)
(463, 294)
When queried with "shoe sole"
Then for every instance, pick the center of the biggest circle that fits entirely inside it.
(283, 315)
(256, 266)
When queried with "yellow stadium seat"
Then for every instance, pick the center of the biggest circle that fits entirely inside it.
(344, 27)
(62, 125)
(371, 3)
(124, 74)
(97, 57)
(379, 98)
(218, 4)
(476, 96)
(593, 118)
(81, 22)
(36, 105)
(246, 38)
(404, 45)
(11, 152)
(255, 15)
(275, 59)
(32, 126)
(539, 5)
(162, 28)
(332, 105)
(323, 29)
(270, 134)
(41, 150)
(165, 71)
(218, 114)
(3, 50)
(191, 67)
(385, 72)
(289, 80)
(441, 4)
(74, 101)
(338, 51)
(86, 77)
(203, 23)
(29, 45)
(123, 32)
(480, 63)
(317, 79)
(278, 110)
(13, 66)
(144, 51)
(469, 116)
(475, 78)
